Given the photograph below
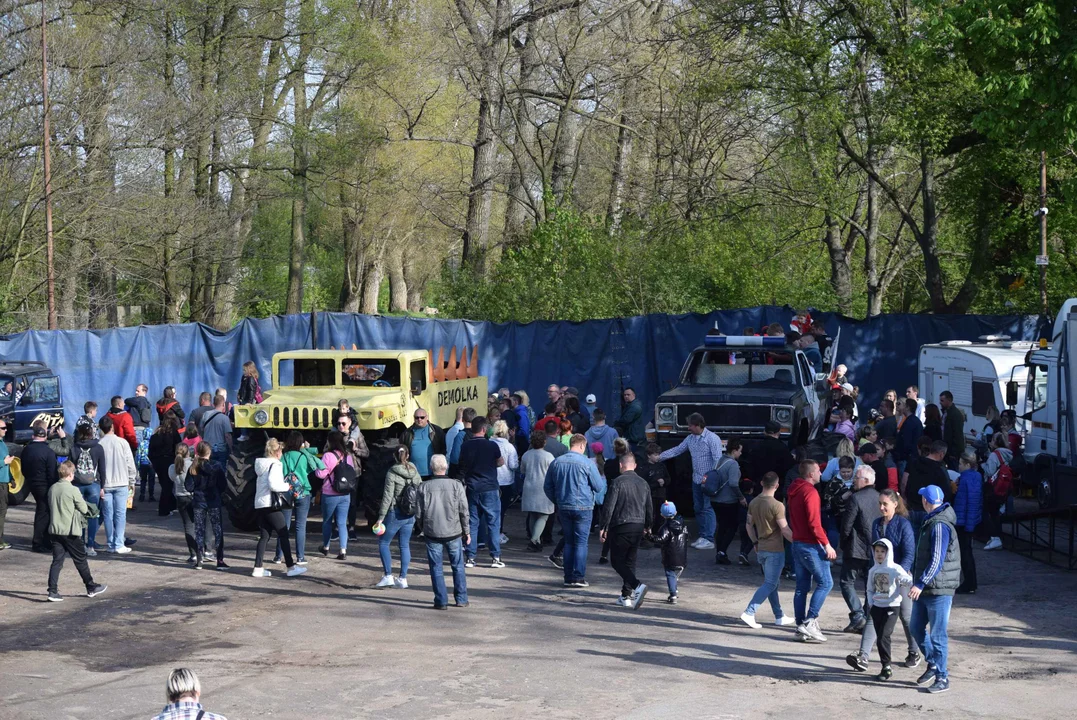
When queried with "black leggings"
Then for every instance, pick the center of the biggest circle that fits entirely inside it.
(727, 515)
(185, 506)
(272, 521)
(884, 619)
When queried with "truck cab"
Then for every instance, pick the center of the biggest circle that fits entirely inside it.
(29, 392)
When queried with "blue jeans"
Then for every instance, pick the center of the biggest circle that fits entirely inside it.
(772, 564)
(671, 580)
(435, 557)
(487, 506)
(934, 611)
(705, 517)
(92, 495)
(810, 563)
(115, 516)
(576, 525)
(396, 527)
(335, 507)
(302, 509)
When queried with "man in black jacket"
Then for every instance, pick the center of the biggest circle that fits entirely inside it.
(927, 469)
(39, 469)
(861, 510)
(953, 429)
(626, 512)
(771, 454)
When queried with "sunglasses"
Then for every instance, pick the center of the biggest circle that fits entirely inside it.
(420, 417)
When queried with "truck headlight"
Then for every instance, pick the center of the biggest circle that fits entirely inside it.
(666, 414)
(261, 417)
(783, 416)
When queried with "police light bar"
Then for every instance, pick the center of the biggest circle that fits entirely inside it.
(743, 341)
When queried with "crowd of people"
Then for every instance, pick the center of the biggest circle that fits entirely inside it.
(896, 503)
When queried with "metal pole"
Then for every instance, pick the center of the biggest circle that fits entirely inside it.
(1042, 259)
(47, 151)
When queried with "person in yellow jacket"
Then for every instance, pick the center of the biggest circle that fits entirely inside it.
(67, 521)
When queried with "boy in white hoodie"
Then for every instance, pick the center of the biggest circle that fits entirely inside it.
(887, 582)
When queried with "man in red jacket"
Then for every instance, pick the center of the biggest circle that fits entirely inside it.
(123, 425)
(812, 553)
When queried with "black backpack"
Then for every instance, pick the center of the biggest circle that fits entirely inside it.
(345, 481)
(408, 502)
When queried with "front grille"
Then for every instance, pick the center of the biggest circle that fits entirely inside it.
(726, 415)
(307, 417)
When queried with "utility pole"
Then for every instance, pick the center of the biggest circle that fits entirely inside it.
(47, 151)
(1041, 259)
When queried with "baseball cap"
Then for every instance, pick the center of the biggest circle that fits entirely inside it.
(572, 391)
(590, 399)
(847, 387)
(668, 509)
(933, 494)
(40, 431)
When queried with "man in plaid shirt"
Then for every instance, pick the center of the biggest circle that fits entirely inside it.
(184, 692)
(705, 448)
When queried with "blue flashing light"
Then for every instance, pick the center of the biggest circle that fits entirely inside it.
(738, 341)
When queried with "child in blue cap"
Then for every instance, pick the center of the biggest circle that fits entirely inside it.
(672, 537)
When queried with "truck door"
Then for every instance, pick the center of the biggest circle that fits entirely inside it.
(831, 357)
(39, 401)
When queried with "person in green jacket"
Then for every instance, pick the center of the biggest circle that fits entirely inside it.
(5, 480)
(67, 521)
(632, 425)
(400, 475)
(298, 460)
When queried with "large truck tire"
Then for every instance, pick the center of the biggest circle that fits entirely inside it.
(19, 491)
(239, 494)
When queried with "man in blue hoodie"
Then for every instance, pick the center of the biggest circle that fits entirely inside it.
(936, 573)
(572, 481)
(600, 432)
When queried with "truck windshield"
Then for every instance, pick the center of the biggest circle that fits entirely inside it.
(1039, 387)
(7, 387)
(710, 367)
(370, 372)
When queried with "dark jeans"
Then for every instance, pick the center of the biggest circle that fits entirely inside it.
(185, 506)
(992, 521)
(435, 557)
(41, 539)
(3, 510)
(92, 495)
(968, 562)
(270, 522)
(577, 526)
(147, 475)
(884, 619)
(727, 515)
(624, 543)
(168, 499)
(62, 546)
(852, 570)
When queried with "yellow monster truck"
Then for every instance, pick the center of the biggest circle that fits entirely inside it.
(383, 387)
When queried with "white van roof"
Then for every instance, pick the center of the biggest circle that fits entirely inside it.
(1003, 355)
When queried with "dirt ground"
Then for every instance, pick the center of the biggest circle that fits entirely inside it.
(328, 644)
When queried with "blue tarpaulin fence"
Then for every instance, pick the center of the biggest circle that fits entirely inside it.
(596, 356)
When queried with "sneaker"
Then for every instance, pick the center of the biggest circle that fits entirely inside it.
(742, 560)
(325, 550)
(96, 589)
(198, 565)
(941, 685)
(695, 543)
(993, 544)
(533, 548)
(504, 538)
(192, 559)
(497, 564)
(581, 583)
(222, 565)
(886, 674)
(857, 662)
(856, 626)
(482, 546)
(55, 597)
(386, 581)
(278, 560)
(402, 583)
(788, 575)
(812, 631)
(625, 602)
(721, 559)
(462, 604)
(705, 544)
(784, 621)
(5, 546)
(672, 599)
(469, 563)
(123, 550)
(129, 542)
(749, 620)
(90, 552)
(557, 562)
(343, 555)
(302, 562)
(261, 572)
(928, 677)
(638, 596)
(913, 660)
(602, 559)
(295, 570)
(441, 607)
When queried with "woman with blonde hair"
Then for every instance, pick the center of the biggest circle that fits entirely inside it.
(250, 392)
(272, 493)
(506, 474)
(844, 449)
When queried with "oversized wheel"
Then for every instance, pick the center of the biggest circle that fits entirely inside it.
(18, 490)
(239, 495)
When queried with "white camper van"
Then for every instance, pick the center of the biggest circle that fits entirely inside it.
(976, 373)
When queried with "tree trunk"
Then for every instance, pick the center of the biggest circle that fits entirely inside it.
(520, 214)
(351, 289)
(480, 194)
(871, 244)
(928, 236)
(398, 287)
(415, 287)
(565, 148)
(299, 196)
(621, 159)
(840, 272)
(372, 287)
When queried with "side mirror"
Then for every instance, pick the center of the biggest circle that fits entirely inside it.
(416, 387)
(1011, 393)
(821, 376)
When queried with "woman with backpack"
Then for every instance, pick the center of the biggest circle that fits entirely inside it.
(162, 453)
(298, 462)
(271, 493)
(398, 503)
(722, 487)
(182, 490)
(339, 480)
(207, 485)
(998, 480)
(89, 459)
(250, 392)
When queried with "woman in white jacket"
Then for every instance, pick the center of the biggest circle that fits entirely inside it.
(270, 519)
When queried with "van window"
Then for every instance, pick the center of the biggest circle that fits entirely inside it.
(1039, 386)
(983, 395)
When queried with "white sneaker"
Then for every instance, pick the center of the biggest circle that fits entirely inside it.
(122, 550)
(705, 544)
(749, 620)
(385, 582)
(497, 564)
(637, 596)
(784, 621)
(295, 570)
(402, 583)
(812, 631)
(261, 572)
(993, 544)
(695, 543)
(625, 602)
(504, 538)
